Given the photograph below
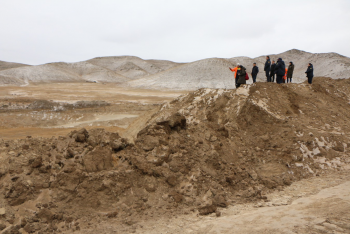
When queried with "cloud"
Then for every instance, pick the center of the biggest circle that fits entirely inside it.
(60, 30)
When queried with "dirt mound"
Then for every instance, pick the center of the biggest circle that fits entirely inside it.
(205, 150)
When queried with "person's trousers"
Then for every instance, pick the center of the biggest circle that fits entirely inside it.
(254, 78)
(272, 77)
(289, 80)
(238, 85)
(279, 79)
(267, 74)
(309, 80)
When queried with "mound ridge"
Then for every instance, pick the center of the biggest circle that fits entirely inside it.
(207, 149)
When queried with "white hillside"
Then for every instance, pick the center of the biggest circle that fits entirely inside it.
(113, 63)
(213, 73)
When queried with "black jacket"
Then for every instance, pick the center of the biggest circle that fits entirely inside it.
(267, 65)
(273, 66)
(255, 70)
(310, 71)
(241, 75)
(290, 71)
(280, 68)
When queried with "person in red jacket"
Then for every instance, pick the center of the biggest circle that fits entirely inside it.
(235, 71)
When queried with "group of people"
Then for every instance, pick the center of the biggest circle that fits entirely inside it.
(273, 69)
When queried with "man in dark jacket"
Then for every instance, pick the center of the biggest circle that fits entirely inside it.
(267, 67)
(310, 73)
(272, 73)
(290, 72)
(255, 72)
(280, 70)
(241, 72)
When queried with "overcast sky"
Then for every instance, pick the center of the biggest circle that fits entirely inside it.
(42, 31)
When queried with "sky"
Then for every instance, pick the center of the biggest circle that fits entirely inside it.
(42, 31)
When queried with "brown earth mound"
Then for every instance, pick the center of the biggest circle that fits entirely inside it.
(208, 149)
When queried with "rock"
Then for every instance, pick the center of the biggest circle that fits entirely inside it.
(70, 153)
(112, 214)
(220, 201)
(149, 143)
(29, 228)
(81, 135)
(97, 160)
(213, 138)
(80, 138)
(176, 196)
(171, 180)
(45, 215)
(2, 226)
(207, 209)
(118, 145)
(2, 211)
(37, 162)
(177, 120)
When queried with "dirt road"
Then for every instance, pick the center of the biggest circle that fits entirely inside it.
(314, 205)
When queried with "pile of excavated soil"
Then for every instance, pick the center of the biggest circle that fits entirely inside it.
(204, 150)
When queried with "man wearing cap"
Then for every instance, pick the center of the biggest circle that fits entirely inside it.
(255, 72)
(235, 71)
(280, 70)
(267, 68)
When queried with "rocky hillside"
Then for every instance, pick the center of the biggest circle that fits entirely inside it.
(208, 149)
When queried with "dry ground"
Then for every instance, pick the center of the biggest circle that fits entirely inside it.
(19, 117)
(95, 182)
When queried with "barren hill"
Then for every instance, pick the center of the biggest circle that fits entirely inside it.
(62, 72)
(7, 65)
(203, 151)
(131, 66)
(155, 74)
(331, 65)
(212, 73)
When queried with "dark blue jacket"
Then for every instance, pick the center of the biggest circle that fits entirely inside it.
(267, 65)
(280, 68)
(310, 71)
(255, 70)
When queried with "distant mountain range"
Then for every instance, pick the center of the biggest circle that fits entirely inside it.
(161, 74)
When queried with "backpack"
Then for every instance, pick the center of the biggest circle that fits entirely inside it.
(246, 76)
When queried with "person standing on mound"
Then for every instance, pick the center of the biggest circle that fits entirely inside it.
(290, 72)
(241, 73)
(255, 72)
(310, 73)
(267, 68)
(235, 71)
(280, 70)
(272, 73)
